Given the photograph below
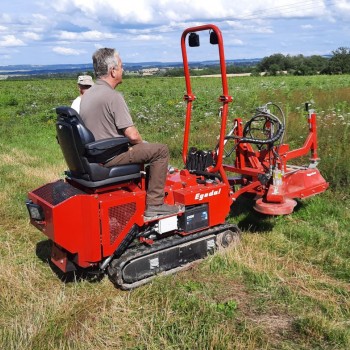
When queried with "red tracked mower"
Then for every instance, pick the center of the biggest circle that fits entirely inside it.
(95, 217)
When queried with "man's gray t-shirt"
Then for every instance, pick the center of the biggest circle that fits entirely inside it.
(104, 111)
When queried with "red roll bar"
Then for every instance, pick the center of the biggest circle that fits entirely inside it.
(224, 98)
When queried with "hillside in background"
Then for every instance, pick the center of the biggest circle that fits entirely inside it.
(276, 64)
(136, 68)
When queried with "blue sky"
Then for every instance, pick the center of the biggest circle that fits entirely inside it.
(68, 31)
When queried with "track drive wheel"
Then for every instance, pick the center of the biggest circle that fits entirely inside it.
(114, 273)
(228, 238)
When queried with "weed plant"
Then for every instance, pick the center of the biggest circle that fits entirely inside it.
(286, 286)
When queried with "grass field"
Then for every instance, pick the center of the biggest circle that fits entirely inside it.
(286, 286)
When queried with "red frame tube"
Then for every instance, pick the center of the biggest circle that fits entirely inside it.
(310, 142)
(225, 98)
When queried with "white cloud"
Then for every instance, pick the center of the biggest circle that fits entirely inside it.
(343, 5)
(40, 17)
(235, 42)
(342, 8)
(144, 37)
(5, 18)
(134, 54)
(306, 26)
(31, 36)
(168, 28)
(92, 35)
(121, 11)
(10, 40)
(256, 26)
(65, 51)
(157, 12)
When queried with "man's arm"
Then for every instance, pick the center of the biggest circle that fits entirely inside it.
(133, 135)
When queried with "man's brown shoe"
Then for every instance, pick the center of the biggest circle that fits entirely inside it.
(163, 209)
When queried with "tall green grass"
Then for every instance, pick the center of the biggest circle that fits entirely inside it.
(286, 286)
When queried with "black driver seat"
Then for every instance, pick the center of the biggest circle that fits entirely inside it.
(85, 156)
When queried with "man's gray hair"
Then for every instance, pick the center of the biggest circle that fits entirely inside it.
(103, 60)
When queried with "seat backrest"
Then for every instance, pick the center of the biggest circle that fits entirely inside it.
(82, 153)
(72, 135)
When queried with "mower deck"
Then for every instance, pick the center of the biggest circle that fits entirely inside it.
(284, 208)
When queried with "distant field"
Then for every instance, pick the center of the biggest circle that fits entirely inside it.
(286, 286)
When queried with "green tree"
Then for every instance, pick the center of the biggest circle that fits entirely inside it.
(274, 69)
(340, 61)
(297, 65)
(277, 60)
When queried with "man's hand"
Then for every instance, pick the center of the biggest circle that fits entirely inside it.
(133, 135)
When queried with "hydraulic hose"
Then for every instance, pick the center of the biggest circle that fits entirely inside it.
(263, 114)
(267, 141)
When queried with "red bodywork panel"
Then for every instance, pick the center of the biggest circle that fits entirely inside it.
(186, 191)
(85, 224)
(90, 227)
(72, 223)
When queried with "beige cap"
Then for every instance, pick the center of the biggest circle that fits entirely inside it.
(85, 80)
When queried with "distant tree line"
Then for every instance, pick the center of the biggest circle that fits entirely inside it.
(338, 63)
(279, 64)
(296, 65)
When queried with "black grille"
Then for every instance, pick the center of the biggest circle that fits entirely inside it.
(119, 217)
(57, 192)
